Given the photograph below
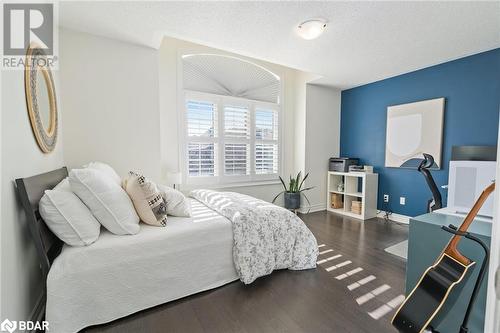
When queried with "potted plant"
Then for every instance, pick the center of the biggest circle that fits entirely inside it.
(294, 191)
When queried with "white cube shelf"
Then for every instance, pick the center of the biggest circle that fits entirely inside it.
(358, 186)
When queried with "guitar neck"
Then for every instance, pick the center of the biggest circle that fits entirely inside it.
(451, 249)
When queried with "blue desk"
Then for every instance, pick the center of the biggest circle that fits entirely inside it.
(426, 242)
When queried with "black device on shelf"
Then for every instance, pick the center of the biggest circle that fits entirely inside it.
(341, 164)
(474, 153)
(423, 168)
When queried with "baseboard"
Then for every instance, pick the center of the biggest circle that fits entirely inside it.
(38, 312)
(312, 208)
(400, 218)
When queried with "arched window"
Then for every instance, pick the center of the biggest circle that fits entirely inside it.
(231, 120)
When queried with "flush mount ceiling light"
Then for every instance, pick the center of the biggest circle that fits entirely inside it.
(311, 29)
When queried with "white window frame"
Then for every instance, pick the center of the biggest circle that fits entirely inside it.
(273, 107)
(236, 102)
(220, 178)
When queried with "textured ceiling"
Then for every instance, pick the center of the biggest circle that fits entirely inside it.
(364, 41)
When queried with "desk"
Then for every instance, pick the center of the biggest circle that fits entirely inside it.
(426, 241)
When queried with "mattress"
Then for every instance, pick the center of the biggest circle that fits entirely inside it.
(120, 275)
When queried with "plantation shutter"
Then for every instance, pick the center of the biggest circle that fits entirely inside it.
(201, 119)
(266, 141)
(236, 122)
(236, 161)
(201, 125)
(201, 159)
(230, 140)
(236, 140)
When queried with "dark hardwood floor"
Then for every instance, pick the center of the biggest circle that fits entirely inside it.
(297, 301)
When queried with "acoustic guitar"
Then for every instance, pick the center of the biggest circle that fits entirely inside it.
(433, 288)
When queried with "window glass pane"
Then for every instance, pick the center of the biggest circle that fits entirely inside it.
(236, 159)
(266, 159)
(236, 122)
(201, 119)
(201, 159)
(266, 124)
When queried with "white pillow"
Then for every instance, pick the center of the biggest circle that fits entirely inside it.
(67, 217)
(106, 169)
(148, 201)
(107, 201)
(63, 186)
(177, 203)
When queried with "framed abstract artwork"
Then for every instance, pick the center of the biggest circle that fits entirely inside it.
(414, 129)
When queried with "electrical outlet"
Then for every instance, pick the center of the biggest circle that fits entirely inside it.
(386, 197)
(402, 200)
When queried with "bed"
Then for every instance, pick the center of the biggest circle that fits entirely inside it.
(119, 275)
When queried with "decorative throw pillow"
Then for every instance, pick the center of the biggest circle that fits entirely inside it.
(107, 201)
(147, 199)
(177, 203)
(67, 217)
(106, 169)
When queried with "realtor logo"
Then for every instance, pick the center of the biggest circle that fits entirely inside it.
(24, 23)
(8, 326)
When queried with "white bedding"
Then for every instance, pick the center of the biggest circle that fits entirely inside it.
(120, 275)
(266, 237)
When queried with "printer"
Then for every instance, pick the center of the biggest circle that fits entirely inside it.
(341, 164)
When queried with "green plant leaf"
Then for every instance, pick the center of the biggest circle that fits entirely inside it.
(276, 197)
(295, 185)
(297, 181)
(307, 189)
(308, 202)
(303, 180)
(283, 182)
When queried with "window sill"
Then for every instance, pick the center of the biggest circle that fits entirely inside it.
(232, 185)
(246, 184)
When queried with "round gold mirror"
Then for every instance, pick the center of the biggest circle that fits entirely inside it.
(41, 98)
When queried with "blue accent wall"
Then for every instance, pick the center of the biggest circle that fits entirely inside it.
(471, 87)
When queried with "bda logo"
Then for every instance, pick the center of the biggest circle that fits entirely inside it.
(8, 326)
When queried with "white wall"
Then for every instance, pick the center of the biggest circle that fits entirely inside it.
(21, 283)
(122, 101)
(171, 101)
(322, 139)
(119, 104)
(110, 93)
(1, 190)
(299, 135)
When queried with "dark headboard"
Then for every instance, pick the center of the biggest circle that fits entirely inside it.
(31, 190)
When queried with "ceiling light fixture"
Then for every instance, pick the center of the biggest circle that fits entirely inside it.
(311, 29)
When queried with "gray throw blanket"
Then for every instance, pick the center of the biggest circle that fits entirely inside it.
(266, 237)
